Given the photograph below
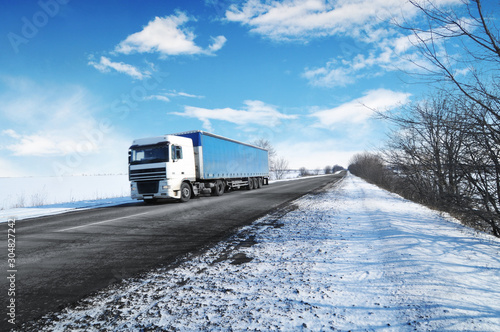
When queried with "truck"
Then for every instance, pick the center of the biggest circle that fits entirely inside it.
(188, 164)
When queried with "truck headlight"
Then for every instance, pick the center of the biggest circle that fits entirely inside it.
(166, 187)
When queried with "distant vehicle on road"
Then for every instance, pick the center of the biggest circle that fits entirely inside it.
(184, 165)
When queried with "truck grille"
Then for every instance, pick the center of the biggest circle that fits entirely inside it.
(147, 174)
(147, 187)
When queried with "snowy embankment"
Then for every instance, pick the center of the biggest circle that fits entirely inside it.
(351, 258)
(30, 197)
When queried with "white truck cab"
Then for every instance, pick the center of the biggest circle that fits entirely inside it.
(158, 166)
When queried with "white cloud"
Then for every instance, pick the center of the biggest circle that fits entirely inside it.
(332, 74)
(58, 131)
(183, 94)
(218, 43)
(58, 125)
(380, 46)
(51, 143)
(158, 97)
(388, 54)
(11, 133)
(299, 19)
(172, 94)
(361, 109)
(345, 72)
(167, 36)
(105, 64)
(254, 112)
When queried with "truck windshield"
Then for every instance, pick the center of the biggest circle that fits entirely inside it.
(148, 154)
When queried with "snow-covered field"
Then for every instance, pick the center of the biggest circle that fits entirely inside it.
(31, 197)
(352, 258)
(40, 191)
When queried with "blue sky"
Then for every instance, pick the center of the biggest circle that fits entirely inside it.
(79, 80)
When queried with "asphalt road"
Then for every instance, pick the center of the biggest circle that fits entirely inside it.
(62, 258)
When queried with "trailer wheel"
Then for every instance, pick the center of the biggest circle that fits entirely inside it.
(260, 183)
(218, 189)
(185, 192)
(250, 183)
(256, 183)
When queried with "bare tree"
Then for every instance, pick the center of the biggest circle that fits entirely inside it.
(481, 166)
(474, 72)
(280, 168)
(370, 167)
(303, 172)
(471, 169)
(337, 168)
(426, 149)
(445, 155)
(265, 144)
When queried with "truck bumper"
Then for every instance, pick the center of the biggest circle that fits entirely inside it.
(163, 191)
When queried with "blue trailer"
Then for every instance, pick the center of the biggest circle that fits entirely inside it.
(191, 163)
(217, 157)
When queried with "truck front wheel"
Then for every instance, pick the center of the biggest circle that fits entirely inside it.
(185, 192)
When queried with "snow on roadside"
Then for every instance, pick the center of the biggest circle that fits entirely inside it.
(53, 209)
(36, 191)
(351, 258)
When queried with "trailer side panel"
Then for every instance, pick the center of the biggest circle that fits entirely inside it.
(218, 157)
